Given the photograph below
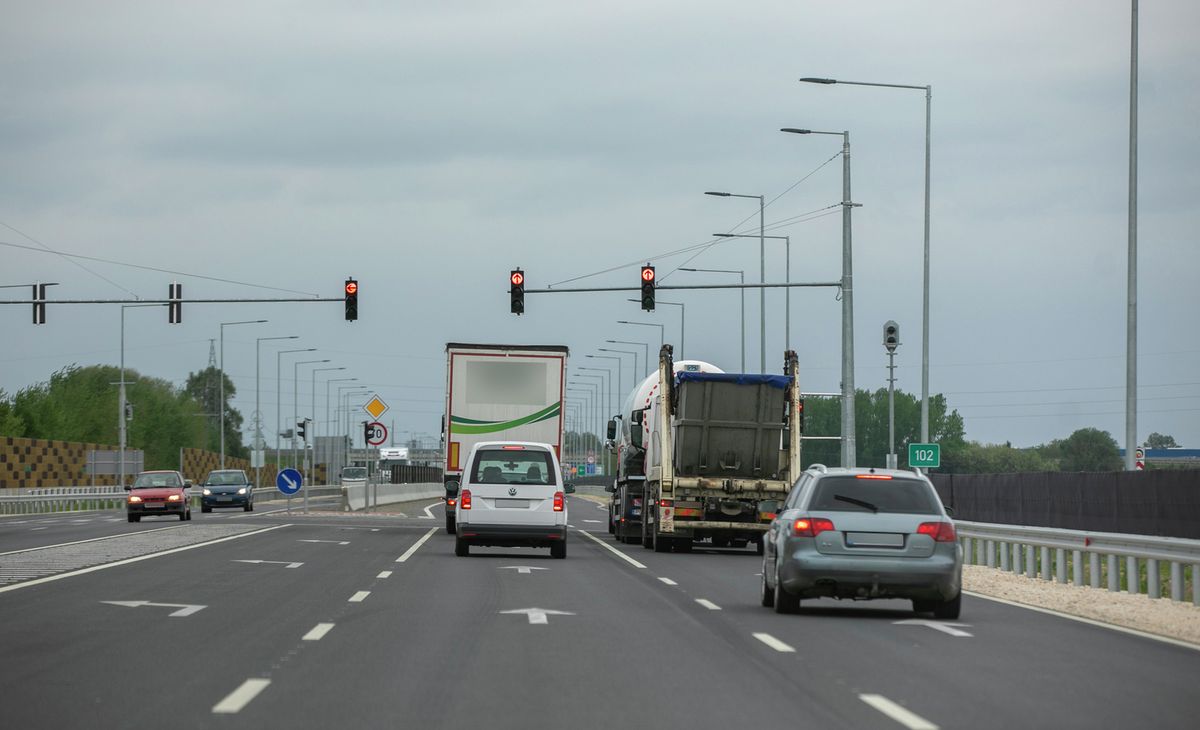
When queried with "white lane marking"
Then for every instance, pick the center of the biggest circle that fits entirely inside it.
(774, 643)
(384, 574)
(593, 521)
(428, 514)
(708, 604)
(35, 529)
(359, 597)
(899, 713)
(1081, 619)
(127, 561)
(416, 546)
(945, 628)
(521, 569)
(269, 562)
(611, 549)
(184, 608)
(317, 632)
(94, 539)
(668, 581)
(538, 615)
(240, 697)
(335, 542)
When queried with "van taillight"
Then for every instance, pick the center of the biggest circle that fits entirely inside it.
(558, 501)
(464, 499)
(811, 526)
(939, 531)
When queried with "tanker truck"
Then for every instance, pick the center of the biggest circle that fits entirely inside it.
(703, 455)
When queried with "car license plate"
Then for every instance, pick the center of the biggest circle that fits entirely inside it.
(512, 503)
(148, 505)
(874, 539)
(224, 499)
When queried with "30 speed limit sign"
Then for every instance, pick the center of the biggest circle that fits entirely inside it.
(376, 433)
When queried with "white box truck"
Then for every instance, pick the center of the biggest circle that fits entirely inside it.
(500, 393)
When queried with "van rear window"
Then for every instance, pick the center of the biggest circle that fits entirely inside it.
(497, 466)
(848, 494)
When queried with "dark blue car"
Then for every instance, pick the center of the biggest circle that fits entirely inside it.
(226, 488)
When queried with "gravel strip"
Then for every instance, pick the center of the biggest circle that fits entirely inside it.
(1162, 616)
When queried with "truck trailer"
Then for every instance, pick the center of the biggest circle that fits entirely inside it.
(704, 455)
(499, 393)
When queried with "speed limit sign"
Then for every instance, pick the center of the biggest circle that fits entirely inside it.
(376, 433)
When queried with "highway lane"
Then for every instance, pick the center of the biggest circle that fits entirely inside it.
(426, 643)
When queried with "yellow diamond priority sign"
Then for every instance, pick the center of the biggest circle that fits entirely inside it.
(375, 407)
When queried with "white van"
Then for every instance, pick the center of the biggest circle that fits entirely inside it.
(512, 494)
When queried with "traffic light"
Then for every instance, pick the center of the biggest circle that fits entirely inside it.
(175, 308)
(351, 300)
(516, 291)
(891, 336)
(301, 427)
(800, 415)
(648, 288)
(367, 432)
(39, 304)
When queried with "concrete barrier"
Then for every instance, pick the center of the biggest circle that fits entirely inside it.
(356, 497)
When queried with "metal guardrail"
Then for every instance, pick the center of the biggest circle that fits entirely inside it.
(79, 499)
(1056, 554)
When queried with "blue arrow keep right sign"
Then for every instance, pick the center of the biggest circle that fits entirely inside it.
(289, 481)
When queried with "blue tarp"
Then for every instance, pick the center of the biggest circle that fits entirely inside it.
(775, 381)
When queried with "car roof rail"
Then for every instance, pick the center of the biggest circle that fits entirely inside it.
(818, 468)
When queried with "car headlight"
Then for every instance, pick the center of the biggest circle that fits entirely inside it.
(174, 498)
(242, 490)
(133, 499)
(207, 492)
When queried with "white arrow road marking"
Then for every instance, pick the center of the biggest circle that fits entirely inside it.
(945, 628)
(774, 643)
(428, 514)
(317, 632)
(184, 609)
(241, 696)
(538, 615)
(269, 562)
(899, 713)
(522, 569)
(335, 542)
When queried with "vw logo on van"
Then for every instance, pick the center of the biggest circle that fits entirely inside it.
(512, 491)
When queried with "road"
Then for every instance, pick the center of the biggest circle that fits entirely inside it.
(371, 621)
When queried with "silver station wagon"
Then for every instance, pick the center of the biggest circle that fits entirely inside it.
(863, 534)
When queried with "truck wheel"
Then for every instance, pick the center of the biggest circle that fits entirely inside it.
(662, 544)
(647, 538)
(450, 524)
(758, 546)
(683, 545)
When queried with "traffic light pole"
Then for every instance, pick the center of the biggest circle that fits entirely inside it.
(688, 287)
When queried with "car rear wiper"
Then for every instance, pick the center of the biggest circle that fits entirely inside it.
(859, 502)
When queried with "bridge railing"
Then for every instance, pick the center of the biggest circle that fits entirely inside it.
(79, 499)
(1142, 564)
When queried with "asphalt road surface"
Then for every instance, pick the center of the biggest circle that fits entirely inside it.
(267, 619)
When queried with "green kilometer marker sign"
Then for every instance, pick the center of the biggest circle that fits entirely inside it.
(925, 456)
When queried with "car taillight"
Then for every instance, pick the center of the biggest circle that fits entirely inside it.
(464, 499)
(450, 502)
(134, 498)
(811, 526)
(939, 531)
(873, 476)
(558, 501)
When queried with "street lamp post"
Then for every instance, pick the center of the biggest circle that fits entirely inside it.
(848, 435)
(762, 278)
(296, 399)
(645, 352)
(635, 362)
(742, 279)
(221, 405)
(620, 379)
(279, 400)
(122, 422)
(258, 439)
(606, 378)
(344, 412)
(662, 328)
(925, 285)
(327, 421)
(313, 404)
(787, 277)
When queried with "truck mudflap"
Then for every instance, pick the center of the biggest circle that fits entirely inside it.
(718, 525)
(666, 516)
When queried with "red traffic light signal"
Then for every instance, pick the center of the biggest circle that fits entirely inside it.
(517, 278)
(351, 300)
(647, 273)
(516, 291)
(648, 288)
(351, 286)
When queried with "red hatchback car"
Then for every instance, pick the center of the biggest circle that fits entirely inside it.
(158, 493)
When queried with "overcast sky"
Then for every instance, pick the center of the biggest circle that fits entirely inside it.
(428, 147)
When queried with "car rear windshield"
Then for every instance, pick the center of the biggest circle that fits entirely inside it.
(222, 478)
(354, 472)
(851, 494)
(150, 481)
(503, 466)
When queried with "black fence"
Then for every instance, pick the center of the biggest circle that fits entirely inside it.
(1164, 503)
(397, 474)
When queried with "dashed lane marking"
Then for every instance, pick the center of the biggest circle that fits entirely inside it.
(668, 581)
(611, 549)
(359, 597)
(240, 697)
(384, 574)
(317, 632)
(774, 643)
(708, 604)
(416, 546)
(899, 713)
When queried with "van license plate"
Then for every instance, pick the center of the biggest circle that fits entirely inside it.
(512, 503)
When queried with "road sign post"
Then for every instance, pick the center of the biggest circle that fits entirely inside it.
(925, 456)
(289, 482)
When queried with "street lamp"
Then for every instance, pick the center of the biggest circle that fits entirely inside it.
(620, 378)
(662, 328)
(343, 410)
(279, 399)
(258, 439)
(787, 276)
(925, 286)
(122, 424)
(762, 278)
(221, 405)
(645, 351)
(626, 352)
(741, 278)
(296, 399)
(848, 439)
(313, 401)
